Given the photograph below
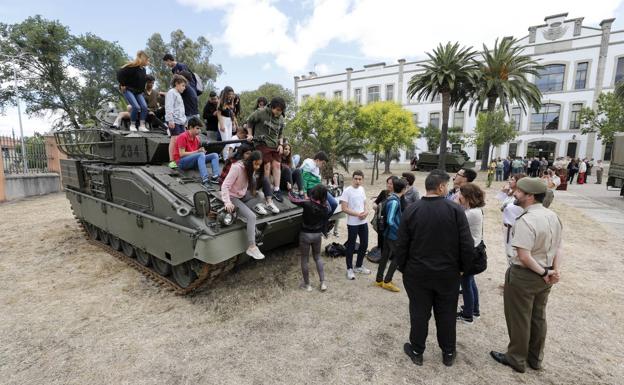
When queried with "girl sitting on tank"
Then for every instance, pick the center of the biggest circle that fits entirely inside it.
(237, 189)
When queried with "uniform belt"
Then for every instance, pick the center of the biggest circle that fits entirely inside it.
(526, 268)
(508, 226)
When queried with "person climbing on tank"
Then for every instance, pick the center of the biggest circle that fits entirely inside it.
(314, 218)
(189, 154)
(237, 189)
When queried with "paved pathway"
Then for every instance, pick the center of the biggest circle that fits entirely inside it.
(602, 205)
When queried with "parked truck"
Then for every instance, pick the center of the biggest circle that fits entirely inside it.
(616, 168)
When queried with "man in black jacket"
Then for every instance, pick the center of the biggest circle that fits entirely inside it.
(434, 247)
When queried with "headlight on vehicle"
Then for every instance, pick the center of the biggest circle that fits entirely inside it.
(225, 218)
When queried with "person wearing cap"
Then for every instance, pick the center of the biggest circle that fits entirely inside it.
(534, 257)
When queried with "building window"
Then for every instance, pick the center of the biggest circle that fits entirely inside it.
(456, 147)
(458, 120)
(415, 118)
(373, 94)
(575, 116)
(434, 119)
(516, 116)
(547, 118)
(390, 92)
(580, 79)
(357, 93)
(619, 70)
(513, 150)
(321, 95)
(337, 94)
(550, 78)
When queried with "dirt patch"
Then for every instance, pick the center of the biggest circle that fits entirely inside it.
(72, 314)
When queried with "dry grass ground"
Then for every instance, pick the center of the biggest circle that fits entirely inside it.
(71, 314)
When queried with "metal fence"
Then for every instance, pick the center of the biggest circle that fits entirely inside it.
(23, 156)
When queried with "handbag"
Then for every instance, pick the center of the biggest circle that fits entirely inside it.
(479, 262)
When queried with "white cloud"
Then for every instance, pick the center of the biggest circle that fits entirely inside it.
(322, 69)
(266, 66)
(389, 30)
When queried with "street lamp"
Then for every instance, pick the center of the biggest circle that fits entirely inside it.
(19, 111)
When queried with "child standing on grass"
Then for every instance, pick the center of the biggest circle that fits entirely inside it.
(315, 215)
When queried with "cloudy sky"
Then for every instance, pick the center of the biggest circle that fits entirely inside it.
(273, 40)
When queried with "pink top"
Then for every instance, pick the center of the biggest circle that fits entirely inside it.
(235, 183)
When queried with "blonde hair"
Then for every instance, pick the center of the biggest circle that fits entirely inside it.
(141, 60)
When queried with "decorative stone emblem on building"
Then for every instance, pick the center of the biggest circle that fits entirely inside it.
(555, 31)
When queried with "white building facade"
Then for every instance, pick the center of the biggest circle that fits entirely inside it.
(579, 63)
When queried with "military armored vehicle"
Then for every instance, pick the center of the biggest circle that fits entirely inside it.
(161, 221)
(615, 177)
(455, 161)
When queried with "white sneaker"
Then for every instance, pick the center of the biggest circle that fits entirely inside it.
(272, 208)
(323, 286)
(350, 274)
(133, 127)
(259, 209)
(142, 126)
(254, 252)
(306, 287)
(362, 270)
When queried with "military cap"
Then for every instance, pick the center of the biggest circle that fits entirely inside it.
(532, 185)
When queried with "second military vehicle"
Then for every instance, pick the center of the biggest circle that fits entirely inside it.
(160, 220)
(455, 161)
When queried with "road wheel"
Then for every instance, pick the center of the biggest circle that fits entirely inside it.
(183, 274)
(143, 257)
(127, 249)
(161, 267)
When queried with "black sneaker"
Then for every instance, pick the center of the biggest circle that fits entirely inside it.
(466, 320)
(416, 358)
(475, 314)
(277, 195)
(214, 179)
(448, 358)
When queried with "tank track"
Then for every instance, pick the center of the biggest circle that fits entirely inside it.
(207, 275)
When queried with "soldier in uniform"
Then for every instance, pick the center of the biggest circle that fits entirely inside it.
(534, 256)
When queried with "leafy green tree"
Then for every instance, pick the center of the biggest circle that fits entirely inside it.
(45, 53)
(450, 71)
(388, 127)
(492, 128)
(269, 91)
(503, 78)
(327, 125)
(194, 53)
(606, 120)
(431, 134)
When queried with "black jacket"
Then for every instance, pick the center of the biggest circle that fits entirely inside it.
(434, 240)
(133, 78)
(314, 216)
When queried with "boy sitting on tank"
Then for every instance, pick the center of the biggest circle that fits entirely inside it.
(189, 154)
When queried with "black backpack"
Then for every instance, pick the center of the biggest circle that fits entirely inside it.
(335, 250)
(380, 219)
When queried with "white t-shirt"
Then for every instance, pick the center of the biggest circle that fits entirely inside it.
(355, 198)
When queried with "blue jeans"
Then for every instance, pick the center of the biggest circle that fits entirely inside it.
(470, 293)
(199, 160)
(333, 203)
(355, 231)
(137, 101)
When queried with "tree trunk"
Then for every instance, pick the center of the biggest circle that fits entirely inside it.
(387, 162)
(485, 150)
(446, 99)
(373, 169)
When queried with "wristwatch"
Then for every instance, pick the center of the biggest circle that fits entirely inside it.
(545, 273)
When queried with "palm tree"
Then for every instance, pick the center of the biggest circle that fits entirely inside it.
(449, 71)
(503, 77)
